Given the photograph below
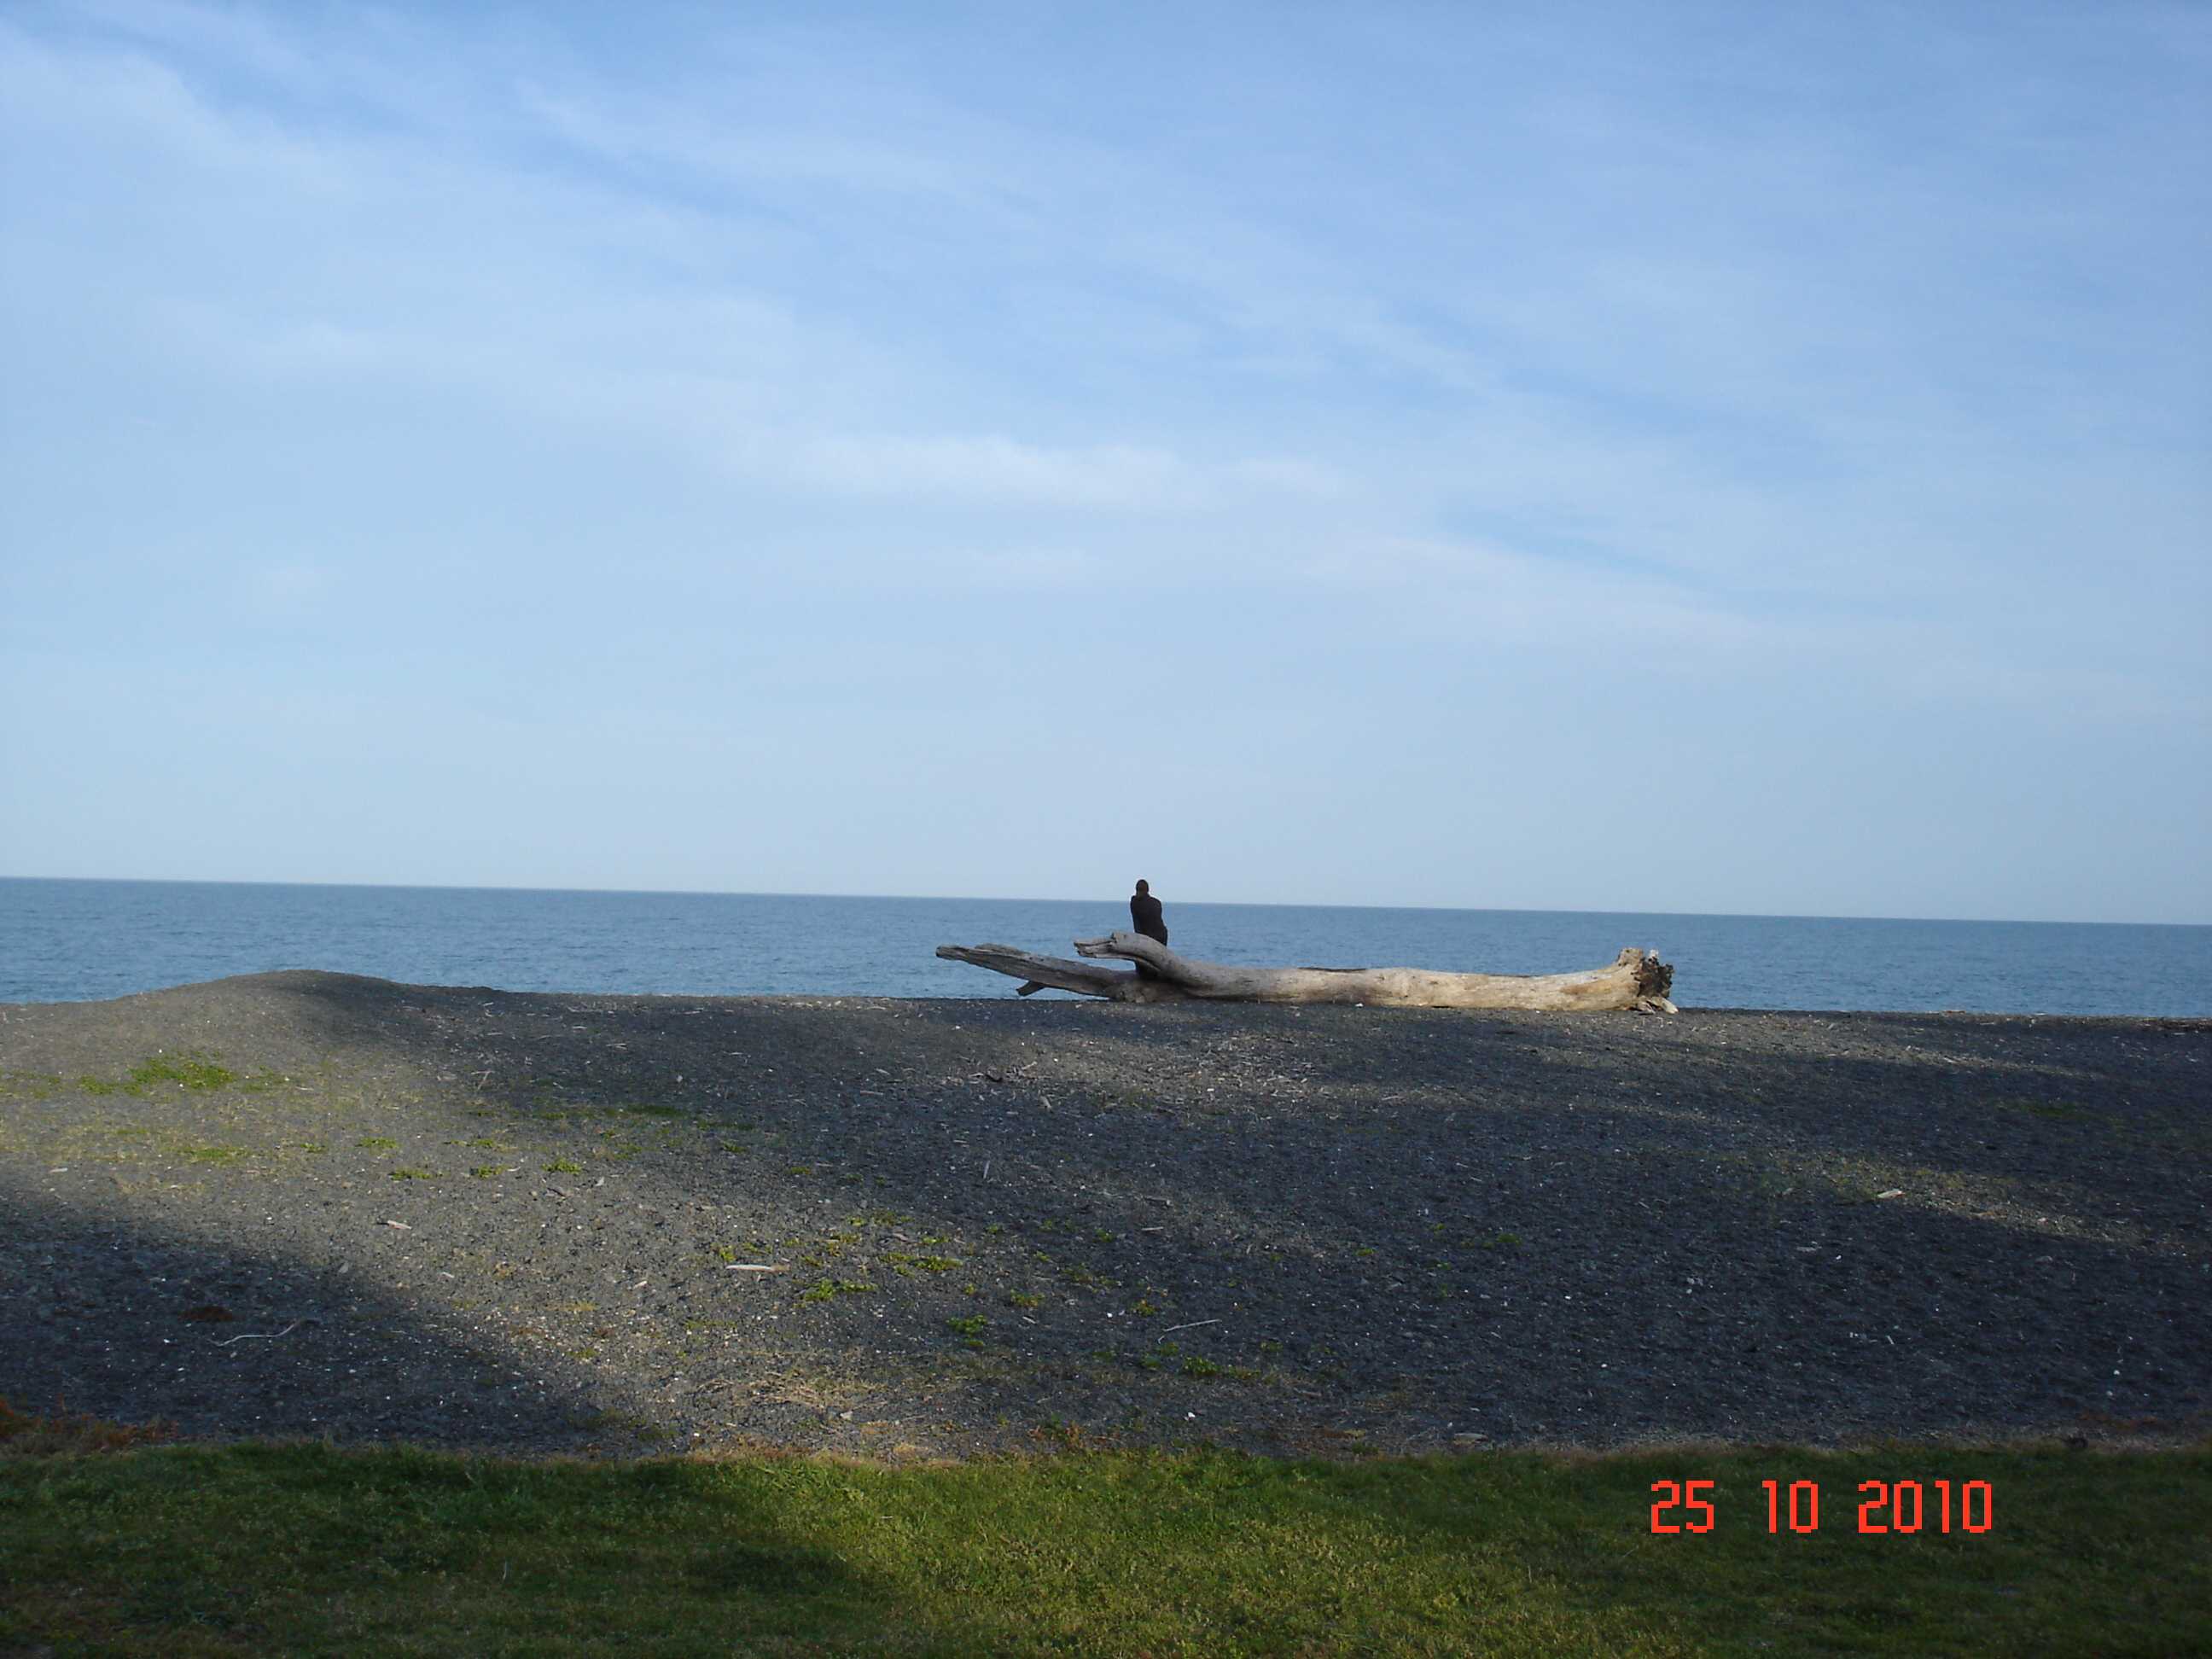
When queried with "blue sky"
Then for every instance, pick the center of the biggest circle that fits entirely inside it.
(1653, 457)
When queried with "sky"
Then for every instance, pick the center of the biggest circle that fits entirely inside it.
(1655, 457)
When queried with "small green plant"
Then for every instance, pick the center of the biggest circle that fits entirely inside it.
(411, 1174)
(215, 1154)
(1200, 1365)
(1143, 1307)
(2056, 1111)
(485, 1171)
(492, 1141)
(377, 1143)
(969, 1327)
(829, 1290)
(1023, 1299)
(723, 1254)
(1502, 1242)
(564, 1166)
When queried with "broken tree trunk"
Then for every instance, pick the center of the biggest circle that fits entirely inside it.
(1635, 979)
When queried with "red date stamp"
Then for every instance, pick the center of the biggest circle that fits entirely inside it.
(1885, 1506)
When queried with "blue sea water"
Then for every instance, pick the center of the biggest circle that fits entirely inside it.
(75, 941)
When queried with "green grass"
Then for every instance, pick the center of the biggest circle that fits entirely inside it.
(900, 1262)
(2058, 1111)
(258, 1549)
(186, 1070)
(829, 1290)
(190, 1070)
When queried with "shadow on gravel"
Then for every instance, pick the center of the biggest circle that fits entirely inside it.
(2100, 1122)
(135, 1324)
(1318, 1231)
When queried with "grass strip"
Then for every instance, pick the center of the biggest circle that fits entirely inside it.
(181, 1550)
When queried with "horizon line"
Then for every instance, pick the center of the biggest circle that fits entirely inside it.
(974, 898)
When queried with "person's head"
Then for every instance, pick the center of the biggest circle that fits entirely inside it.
(1144, 886)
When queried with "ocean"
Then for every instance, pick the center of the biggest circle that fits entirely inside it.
(78, 940)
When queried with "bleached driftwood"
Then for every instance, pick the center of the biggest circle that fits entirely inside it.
(1635, 979)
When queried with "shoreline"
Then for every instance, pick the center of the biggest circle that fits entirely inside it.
(2188, 1023)
(500, 1220)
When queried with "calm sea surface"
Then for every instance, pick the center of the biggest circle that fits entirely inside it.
(74, 940)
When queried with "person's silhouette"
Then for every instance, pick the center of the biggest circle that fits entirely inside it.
(1144, 912)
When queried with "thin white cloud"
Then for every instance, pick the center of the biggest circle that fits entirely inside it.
(1000, 469)
(289, 589)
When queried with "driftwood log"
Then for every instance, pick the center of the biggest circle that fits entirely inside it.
(1635, 979)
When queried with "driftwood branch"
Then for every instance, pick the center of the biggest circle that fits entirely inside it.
(1635, 979)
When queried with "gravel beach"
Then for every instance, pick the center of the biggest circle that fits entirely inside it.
(306, 1204)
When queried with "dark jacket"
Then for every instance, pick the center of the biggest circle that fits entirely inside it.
(1144, 912)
